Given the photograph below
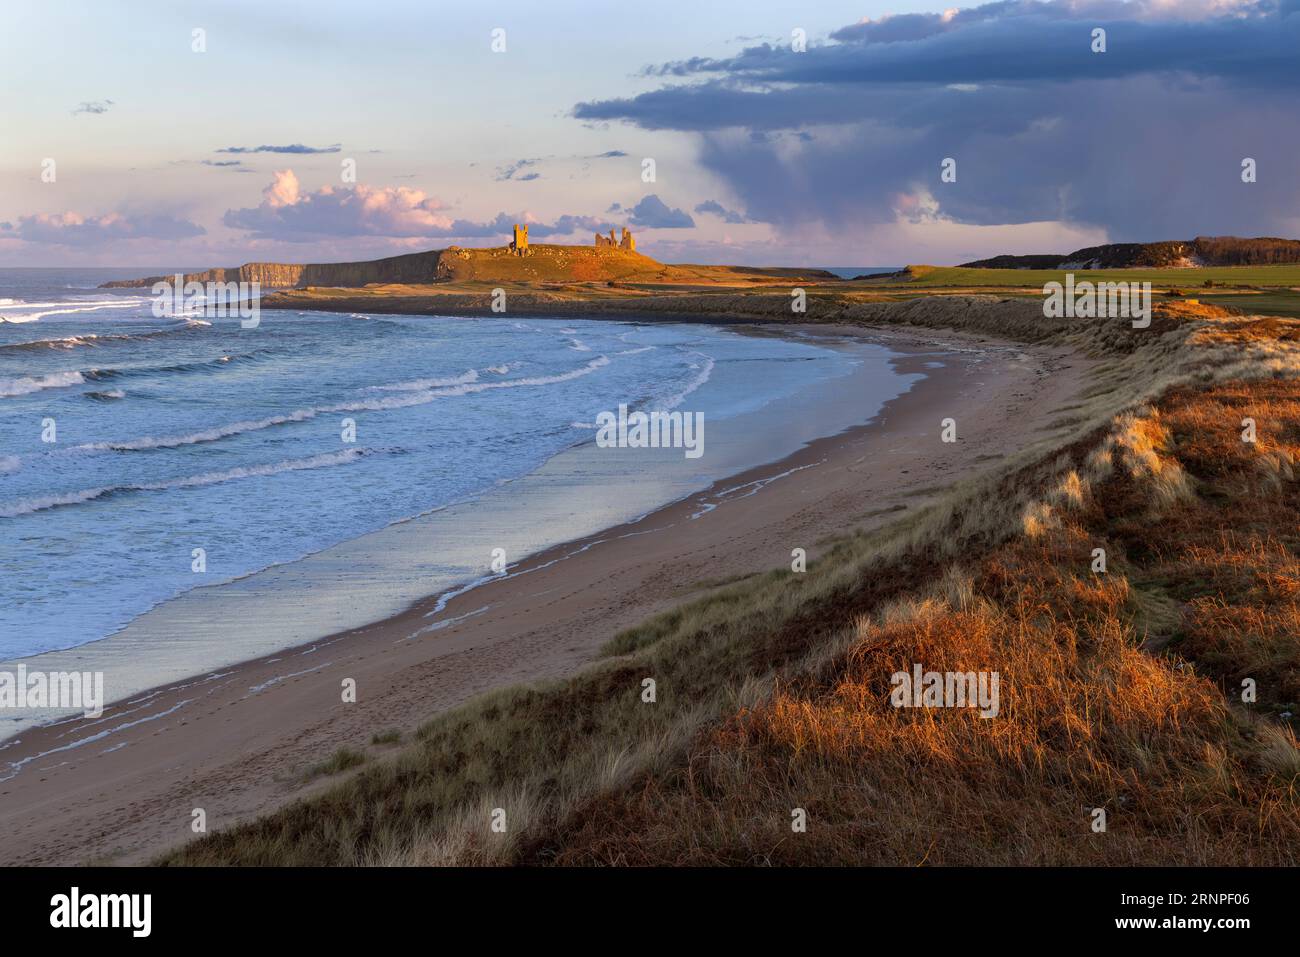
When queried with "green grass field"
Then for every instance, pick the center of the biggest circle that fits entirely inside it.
(1270, 303)
(1184, 279)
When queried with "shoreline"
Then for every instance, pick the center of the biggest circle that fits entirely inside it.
(382, 571)
(493, 634)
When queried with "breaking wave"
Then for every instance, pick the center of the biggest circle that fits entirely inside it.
(25, 385)
(419, 394)
(38, 504)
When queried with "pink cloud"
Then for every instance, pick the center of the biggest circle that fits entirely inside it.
(286, 212)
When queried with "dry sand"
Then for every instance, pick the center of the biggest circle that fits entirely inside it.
(122, 788)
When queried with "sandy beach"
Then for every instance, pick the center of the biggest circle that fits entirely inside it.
(239, 742)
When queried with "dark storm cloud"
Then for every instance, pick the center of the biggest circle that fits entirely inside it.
(713, 207)
(1145, 139)
(1008, 42)
(653, 213)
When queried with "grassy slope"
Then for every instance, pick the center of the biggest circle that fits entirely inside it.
(1113, 685)
(936, 276)
(772, 689)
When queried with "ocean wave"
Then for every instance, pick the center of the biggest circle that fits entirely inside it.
(94, 339)
(66, 342)
(420, 397)
(465, 378)
(701, 377)
(420, 385)
(416, 397)
(578, 373)
(177, 368)
(9, 463)
(66, 308)
(41, 503)
(197, 438)
(28, 384)
(25, 385)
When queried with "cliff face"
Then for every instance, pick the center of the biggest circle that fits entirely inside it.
(412, 267)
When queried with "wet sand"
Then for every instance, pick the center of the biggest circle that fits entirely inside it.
(237, 742)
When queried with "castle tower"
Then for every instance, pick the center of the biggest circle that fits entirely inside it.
(519, 245)
(612, 242)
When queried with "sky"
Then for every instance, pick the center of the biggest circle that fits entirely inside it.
(199, 134)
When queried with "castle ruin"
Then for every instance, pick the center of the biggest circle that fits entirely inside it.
(609, 242)
(519, 245)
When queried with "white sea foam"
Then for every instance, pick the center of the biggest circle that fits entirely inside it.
(25, 385)
(44, 309)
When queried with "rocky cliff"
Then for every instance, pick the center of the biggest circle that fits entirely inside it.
(413, 267)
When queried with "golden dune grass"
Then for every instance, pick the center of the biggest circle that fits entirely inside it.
(1187, 773)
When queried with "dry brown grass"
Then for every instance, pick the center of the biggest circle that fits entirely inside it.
(1089, 719)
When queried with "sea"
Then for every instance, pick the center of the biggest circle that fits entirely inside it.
(180, 492)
